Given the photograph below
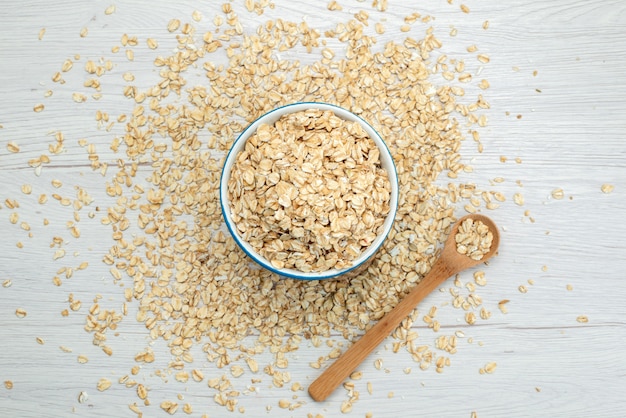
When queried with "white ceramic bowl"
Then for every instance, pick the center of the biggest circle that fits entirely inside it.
(386, 161)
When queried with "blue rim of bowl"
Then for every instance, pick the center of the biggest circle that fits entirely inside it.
(291, 273)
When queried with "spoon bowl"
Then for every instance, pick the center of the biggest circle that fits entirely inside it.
(450, 262)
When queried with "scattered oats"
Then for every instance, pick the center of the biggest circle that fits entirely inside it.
(484, 58)
(133, 407)
(83, 32)
(569, 287)
(284, 403)
(20, 313)
(252, 364)
(109, 10)
(67, 65)
(607, 188)
(328, 53)
(387, 88)
(362, 16)
(173, 25)
(83, 359)
(479, 278)
(13, 147)
(142, 392)
(103, 384)
(82, 397)
(8, 384)
(518, 198)
(346, 406)
(197, 375)
(465, 9)
(380, 5)
(42, 32)
(582, 319)
(169, 407)
(522, 289)
(356, 375)
(490, 367)
(558, 194)
(79, 97)
(152, 43)
(236, 370)
(38, 107)
(187, 408)
(182, 376)
(333, 6)
(296, 386)
(465, 78)
(7, 283)
(502, 305)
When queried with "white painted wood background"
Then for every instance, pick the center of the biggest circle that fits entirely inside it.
(571, 135)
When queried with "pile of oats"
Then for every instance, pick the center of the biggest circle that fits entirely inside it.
(183, 274)
(309, 192)
(473, 239)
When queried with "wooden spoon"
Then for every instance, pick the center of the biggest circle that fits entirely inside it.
(449, 263)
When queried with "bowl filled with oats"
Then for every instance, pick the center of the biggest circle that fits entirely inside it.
(309, 191)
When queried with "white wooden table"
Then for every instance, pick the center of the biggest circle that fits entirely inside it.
(558, 84)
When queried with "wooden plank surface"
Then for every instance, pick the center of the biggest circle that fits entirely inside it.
(557, 106)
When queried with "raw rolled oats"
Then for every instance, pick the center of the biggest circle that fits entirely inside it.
(189, 282)
(473, 239)
(103, 384)
(309, 192)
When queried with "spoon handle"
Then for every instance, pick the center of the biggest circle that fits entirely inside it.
(332, 377)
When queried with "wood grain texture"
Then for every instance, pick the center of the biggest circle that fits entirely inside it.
(570, 134)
